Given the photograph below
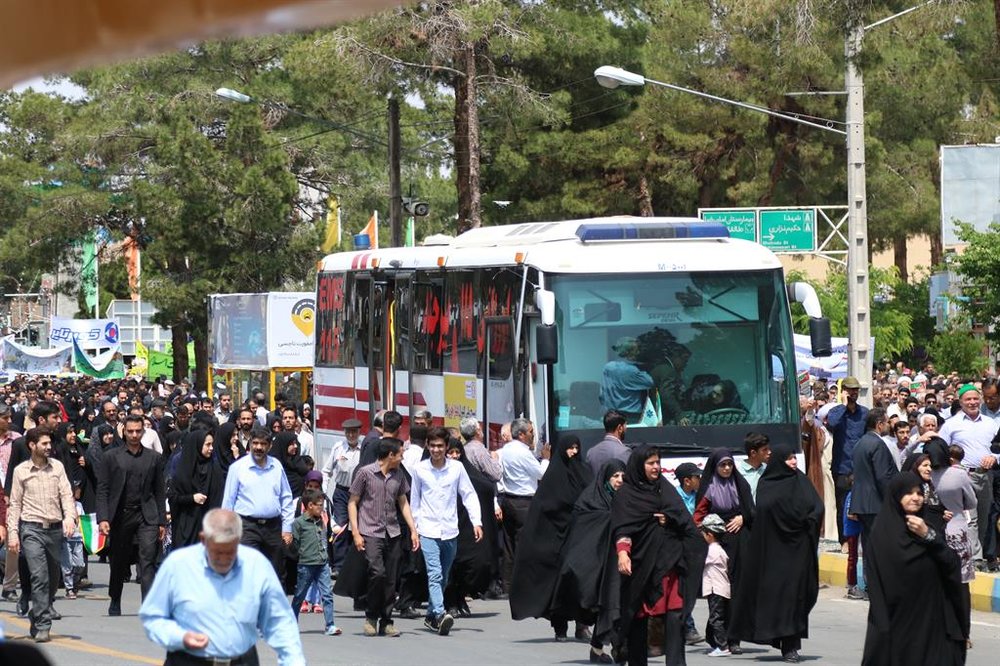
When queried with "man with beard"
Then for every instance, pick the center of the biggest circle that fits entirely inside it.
(258, 491)
(131, 507)
(244, 426)
(109, 414)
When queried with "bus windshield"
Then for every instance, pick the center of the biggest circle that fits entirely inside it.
(676, 353)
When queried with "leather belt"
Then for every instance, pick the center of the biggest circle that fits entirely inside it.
(261, 521)
(180, 658)
(45, 524)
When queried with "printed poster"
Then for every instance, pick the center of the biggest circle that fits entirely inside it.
(459, 398)
(291, 326)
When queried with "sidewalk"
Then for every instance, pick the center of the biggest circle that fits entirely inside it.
(985, 589)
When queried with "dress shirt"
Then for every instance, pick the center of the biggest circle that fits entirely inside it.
(6, 446)
(521, 469)
(306, 442)
(481, 460)
(188, 595)
(986, 411)
(40, 495)
(751, 474)
(379, 494)
(973, 435)
(151, 441)
(624, 386)
(337, 471)
(715, 579)
(434, 499)
(412, 454)
(847, 428)
(259, 492)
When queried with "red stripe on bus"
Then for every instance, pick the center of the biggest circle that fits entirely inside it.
(334, 391)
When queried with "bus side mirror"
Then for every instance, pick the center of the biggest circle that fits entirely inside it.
(546, 344)
(819, 337)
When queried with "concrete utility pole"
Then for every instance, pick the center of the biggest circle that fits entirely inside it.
(395, 188)
(859, 360)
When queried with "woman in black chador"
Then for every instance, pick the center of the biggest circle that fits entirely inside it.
(197, 486)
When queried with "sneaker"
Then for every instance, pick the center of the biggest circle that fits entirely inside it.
(718, 652)
(791, 657)
(333, 630)
(853, 592)
(445, 624)
(693, 637)
(432, 623)
(317, 608)
(9, 595)
(389, 629)
(370, 629)
(408, 613)
(305, 607)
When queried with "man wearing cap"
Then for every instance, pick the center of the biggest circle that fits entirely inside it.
(337, 473)
(623, 384)
(847, 425)
(974, 432)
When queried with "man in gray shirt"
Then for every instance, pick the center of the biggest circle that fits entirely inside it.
(611, 446)
(479, 457)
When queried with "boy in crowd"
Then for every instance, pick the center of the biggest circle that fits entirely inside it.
(310, 538)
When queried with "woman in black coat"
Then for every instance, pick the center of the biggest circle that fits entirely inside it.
(915, 614)
(537, 563)
(197, 486)
(778, 581)
(286, 450)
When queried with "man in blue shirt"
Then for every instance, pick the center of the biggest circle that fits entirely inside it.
(209, 602)
(847, 425)
(258, 491)
(623, 385)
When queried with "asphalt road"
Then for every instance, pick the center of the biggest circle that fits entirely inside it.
(87, 637)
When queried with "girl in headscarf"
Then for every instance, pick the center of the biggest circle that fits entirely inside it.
(933, 511)
(916, 608)
(778, 578)
(196, 487)
(958, 499)
(580, 591)
(228, 448)
(305, 416)
(286, 450)
(473, 569)
(660, 557)
(537, 562)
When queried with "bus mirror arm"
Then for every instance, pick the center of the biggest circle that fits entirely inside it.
(819, 326)
(546, 302)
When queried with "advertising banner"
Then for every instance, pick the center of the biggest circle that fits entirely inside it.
(291, 324)
(831, 367)
(90, 334)
(239, 331)
(34, 361)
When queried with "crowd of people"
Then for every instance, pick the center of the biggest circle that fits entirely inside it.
(595, 536)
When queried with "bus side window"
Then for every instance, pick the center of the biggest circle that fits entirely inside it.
(427, 314)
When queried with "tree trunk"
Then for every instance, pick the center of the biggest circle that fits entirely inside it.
(645, 197)
(937, 249)
(178, 339)
(201, 378)
(899, 256)
(467, 144)
(996, 24)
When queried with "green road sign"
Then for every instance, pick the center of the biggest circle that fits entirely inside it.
(792, 230)
(741, 222)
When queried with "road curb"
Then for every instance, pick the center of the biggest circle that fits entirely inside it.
(985, 589)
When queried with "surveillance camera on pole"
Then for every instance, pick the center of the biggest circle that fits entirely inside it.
(416, 208)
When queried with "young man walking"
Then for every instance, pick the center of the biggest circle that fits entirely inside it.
(438, 483)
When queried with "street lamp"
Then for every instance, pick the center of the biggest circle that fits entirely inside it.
(858, 321)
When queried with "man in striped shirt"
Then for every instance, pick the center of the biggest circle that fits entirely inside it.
(376, 491)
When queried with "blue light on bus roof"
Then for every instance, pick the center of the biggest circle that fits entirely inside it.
(613, 231)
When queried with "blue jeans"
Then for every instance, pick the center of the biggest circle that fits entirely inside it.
(438, 556)
(320, 575)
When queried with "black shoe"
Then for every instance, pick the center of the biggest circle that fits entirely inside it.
(22, 609)
(600, 658)
(790, 657)
(464, 610)
(115, 609)
(693, 637)
(407, 613)
(734, 648)
(9, 595)
(84, 584)
(445, 624)
(33, 631)
(54, 614)
(582, 632)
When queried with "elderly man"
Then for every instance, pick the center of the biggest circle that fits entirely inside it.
(337, 474)
(211, 600)
(974, 432)
(479, 456)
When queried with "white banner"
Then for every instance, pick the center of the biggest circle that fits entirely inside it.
(831, 367)
(89, 333)
(291, 324)
(35, 361)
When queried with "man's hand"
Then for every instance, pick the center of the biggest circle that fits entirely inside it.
(499, 514)
(478, 532)
(546, 451)
(988, 462)
(195, 641)
(624, 564)
(359, 542)
(734, 525)
(13, 545)
(199, 498)
(104, 527)
(81, 461)
(69, 527)
(3, 534)
(414, 541)
(286, 538)
(161, 533)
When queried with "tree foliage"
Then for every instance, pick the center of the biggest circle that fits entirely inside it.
(979, 268)
(958, 350)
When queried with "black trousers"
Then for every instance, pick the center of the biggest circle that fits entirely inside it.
(128, 528)
(867, 521)
(515, 513)
(265, 536)
(383, 556)
(673, 640)
(341, 495)
(841, 486)
(185, 659)
(718, 619)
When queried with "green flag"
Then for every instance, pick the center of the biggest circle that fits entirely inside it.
(410, 231)
(160, 363)
(108, 365)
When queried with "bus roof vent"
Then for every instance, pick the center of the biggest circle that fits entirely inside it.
(590, 232)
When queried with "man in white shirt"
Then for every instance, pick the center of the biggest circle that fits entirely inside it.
(437, 484)
(337, 473)
(290, 423)
(521, 473)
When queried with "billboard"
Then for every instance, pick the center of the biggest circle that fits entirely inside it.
(90, 334)
(16, 358)
(970, 188)
(291, 324)
(257, 331)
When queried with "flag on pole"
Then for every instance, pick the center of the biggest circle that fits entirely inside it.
(371, 230)
(93, 540)
(332, 239)
(410, 240)
(131, 251)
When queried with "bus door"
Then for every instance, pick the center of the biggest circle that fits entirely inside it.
(500, 395)
(373, 377)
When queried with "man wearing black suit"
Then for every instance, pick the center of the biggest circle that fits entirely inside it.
(131, 506)
(874, 468)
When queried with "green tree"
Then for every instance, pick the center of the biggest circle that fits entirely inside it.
(979, 267)
(957, 349)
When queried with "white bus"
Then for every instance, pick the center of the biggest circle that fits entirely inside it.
(539, 319)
